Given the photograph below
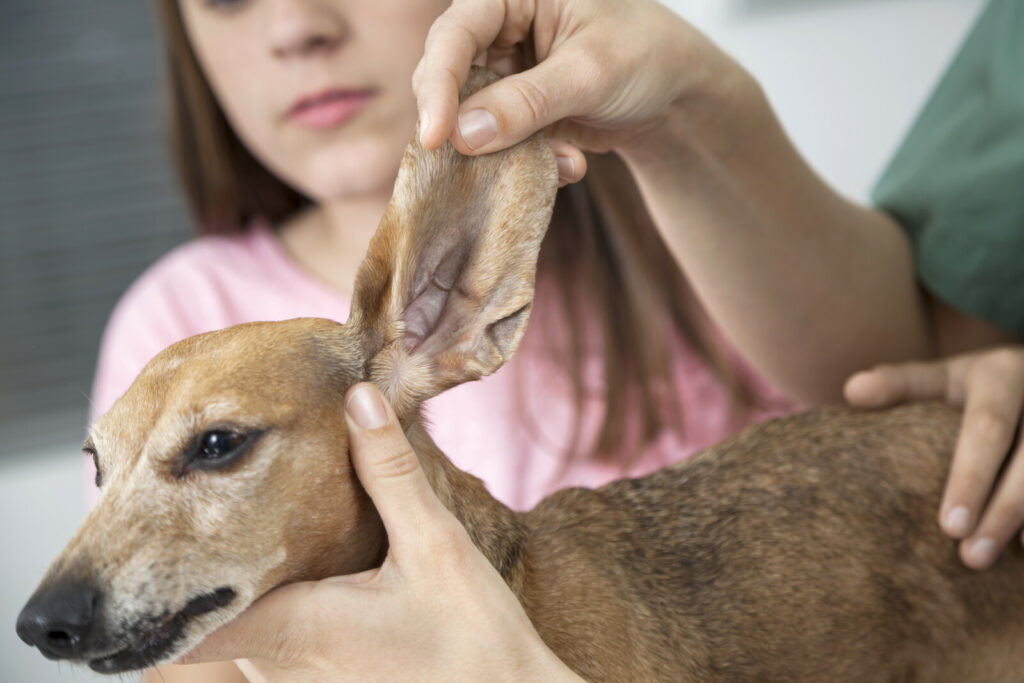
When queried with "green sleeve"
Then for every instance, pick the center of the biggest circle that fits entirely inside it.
(957, 183)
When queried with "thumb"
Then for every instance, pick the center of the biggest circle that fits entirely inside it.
(888, 384)
(388, 468)
(515, 107)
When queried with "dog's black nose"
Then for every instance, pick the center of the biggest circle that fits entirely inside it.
(57, 619)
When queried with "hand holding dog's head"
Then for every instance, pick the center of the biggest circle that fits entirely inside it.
(224, 469)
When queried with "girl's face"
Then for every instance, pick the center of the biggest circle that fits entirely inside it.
(319, 90)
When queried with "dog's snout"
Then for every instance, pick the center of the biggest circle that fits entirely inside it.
(58, 619)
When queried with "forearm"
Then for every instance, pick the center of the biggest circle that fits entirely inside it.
(810, 287)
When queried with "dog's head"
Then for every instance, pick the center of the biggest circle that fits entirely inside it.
(224, 469)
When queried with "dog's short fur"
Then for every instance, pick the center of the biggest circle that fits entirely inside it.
(801, 550)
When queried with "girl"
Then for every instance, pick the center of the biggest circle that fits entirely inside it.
(291, 119)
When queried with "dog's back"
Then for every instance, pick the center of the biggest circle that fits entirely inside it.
(802, 549)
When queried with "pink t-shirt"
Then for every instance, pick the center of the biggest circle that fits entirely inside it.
(508, 429)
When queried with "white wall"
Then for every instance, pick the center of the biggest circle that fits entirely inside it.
(847, 77)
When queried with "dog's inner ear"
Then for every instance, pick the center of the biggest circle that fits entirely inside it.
(445, 291)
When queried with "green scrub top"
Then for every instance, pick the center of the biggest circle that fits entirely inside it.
(957, 182)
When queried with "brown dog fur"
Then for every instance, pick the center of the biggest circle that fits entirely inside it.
(801, 550)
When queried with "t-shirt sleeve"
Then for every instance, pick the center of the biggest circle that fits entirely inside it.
(956, 185)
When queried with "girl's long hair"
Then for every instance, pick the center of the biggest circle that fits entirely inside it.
(603, 252)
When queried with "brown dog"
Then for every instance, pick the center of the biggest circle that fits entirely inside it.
(801, 550)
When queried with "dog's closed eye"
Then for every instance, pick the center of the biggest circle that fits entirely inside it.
(89, 449)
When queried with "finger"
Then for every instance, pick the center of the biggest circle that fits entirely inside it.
(389, 469)
(463, 31)
(994, 398)
(510, 110)
(276, 627)
(888, 384)
(572, 163)
(1002, 519)
(505, 61)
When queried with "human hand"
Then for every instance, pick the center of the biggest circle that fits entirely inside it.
(435, 610)
(607, 71)
(977, 508)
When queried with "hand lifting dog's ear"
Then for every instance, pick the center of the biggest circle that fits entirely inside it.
(446, 288)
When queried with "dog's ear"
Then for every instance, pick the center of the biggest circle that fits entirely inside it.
(446, 288)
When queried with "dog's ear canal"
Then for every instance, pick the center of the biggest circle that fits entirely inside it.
(447, 284)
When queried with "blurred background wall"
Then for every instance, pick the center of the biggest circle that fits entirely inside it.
(87, 201)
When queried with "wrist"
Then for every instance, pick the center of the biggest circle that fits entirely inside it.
(546, 666)
(713, 108)
(528, 658)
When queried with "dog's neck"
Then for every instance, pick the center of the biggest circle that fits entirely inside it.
(495, 529)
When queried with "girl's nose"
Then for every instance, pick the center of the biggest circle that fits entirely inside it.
(302, 27)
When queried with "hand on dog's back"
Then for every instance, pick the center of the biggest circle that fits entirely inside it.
(981, 505)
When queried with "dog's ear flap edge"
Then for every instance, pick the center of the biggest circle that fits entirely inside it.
(445, 292)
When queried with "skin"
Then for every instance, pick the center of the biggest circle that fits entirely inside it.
(725, 186)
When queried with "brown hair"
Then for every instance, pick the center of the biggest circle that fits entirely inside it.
(603, 251)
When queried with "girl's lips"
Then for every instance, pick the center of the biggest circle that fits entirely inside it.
(328, 109)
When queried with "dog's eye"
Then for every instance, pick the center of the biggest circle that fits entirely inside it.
(216, 449)
(217, 445)
(88, 450)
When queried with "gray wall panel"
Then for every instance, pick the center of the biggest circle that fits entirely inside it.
(87, 199)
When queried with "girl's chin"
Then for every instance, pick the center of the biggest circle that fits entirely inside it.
(347, 184)
(331, 178)
(346, 189)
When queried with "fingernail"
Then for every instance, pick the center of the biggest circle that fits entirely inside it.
(982, 552)
(478, 127)
(958, 520)
(566, 168)
(366, 408)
